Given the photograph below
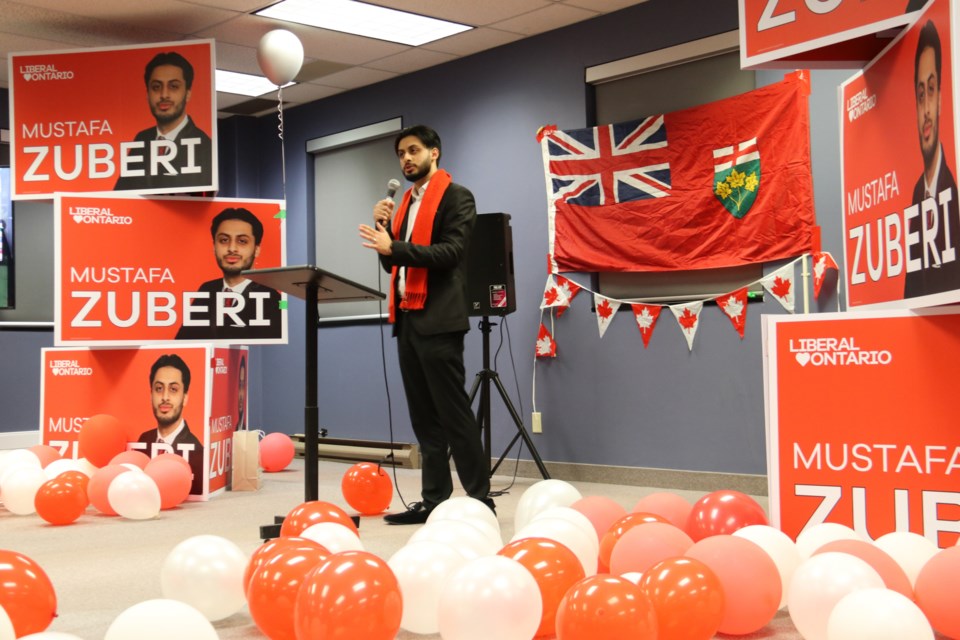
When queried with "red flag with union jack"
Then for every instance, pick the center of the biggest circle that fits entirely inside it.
(723, 184)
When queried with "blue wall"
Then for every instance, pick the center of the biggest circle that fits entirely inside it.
(606, 401)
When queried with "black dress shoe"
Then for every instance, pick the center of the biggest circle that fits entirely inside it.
(417, 513)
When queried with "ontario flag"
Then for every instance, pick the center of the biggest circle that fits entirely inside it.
(719, 185)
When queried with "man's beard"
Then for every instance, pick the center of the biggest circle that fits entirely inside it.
(166, 421)
(930, 155)
(234, 269)
(171, 116)
(421, 172)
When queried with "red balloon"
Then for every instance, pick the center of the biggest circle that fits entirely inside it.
(131, 456)
(604, 606)
(367, 488)
(270, 548)
(78, 478)
(45, 453)
(100, 483)
(173, 479)
(101, 437)
(273, 587)
(352, 594)
(722, 513)
(936, 590)
(642, 547)
(276, 452)
(307, 514)
(893, 575)
(26, 594)
(60, 501)
(687, 597)
(601, 511)
(616, 531)
(554, 567)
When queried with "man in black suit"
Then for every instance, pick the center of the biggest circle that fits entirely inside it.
(233, 308)
(934, 229)
(169, 391)
(175, 153)
(425, 251)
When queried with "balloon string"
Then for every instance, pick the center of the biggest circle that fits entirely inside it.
(283, 153)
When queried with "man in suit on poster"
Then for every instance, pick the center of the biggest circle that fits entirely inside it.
(169, 81)
(425, 251)
(940, 270)
(251, 311)
(169, 392)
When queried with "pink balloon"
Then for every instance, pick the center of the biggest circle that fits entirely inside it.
(601, 511)
(751, 582)
(172, 478)
(894, 577)
(45, 453)
(647, 544)
(131, 456)
(936, 591)
(100, 483)
(723, 512)
(674, 508)
(276, 452)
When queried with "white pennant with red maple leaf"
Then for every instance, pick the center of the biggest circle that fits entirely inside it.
(646, 316)
(558, 293)
(546, 345)
(569, 289)
(821, 262)
(780, 284)
(734, 306)
(688, 316)
(606, 310)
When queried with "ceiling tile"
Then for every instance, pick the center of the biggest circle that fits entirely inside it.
(470, 42)
(355, 77)
(470, 12)
(547, 19)
(411, 60)
(603, 6)
(166, 15)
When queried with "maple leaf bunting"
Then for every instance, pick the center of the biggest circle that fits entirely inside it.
(546, 346)
(688, 317)
(821, 262)
(684, 190)
(780, 284)
(646, 316)
(734, 306)
(606, 310)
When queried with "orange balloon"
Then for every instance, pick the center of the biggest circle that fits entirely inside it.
(26, 594)
(367, 488)
(270, 548)
(78, 478)
(60, 501)
(555, 568)
(688, 599)
(100, 483)
(173, 479)
(307, 514)
(131, 456)
(101, 437)
(601, 511)
(352, 594)
(894, 577)
(936, 591)
(604, 606)
(674, 508)
(273, 587)
(722, 513)
(644, 546)
(613, 534)
(276, 452)
(45, 453)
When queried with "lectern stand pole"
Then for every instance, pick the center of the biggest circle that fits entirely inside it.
(311, 418)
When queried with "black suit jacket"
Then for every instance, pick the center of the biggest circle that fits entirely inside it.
(193, 456)
(203, 156)
(946, 277)
(446, 259)
(231, 331)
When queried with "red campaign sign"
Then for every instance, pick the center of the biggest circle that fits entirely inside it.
(90, 120)
(130, 271)
(815, 34)
(860, 430)
(900, 202)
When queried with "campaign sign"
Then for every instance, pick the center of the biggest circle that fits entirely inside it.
(130, 271)
(816, 34)
(174, 398)
(138, 119)
(861, 427)
(901, 217)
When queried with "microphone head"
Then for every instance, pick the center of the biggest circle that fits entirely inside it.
(392, 187)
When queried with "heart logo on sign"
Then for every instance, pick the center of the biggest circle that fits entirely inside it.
(803, 358)
(77, 218)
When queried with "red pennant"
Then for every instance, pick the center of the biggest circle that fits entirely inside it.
(646, 316)
(568, 289)
(821, 262)
(546, 345)
(734, 306)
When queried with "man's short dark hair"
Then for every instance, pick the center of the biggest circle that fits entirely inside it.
(171, 58)
(175, 361)
(238, 213)
(929, 39)
(427, 137)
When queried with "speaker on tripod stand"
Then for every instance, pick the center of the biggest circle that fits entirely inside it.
(491, 292)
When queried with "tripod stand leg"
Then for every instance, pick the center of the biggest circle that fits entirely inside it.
(521, 430)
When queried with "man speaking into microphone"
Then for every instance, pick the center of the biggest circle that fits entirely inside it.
(423, 245)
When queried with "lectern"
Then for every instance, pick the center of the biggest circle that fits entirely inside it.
(313, 285)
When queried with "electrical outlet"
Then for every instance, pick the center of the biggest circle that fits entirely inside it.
(535, 425)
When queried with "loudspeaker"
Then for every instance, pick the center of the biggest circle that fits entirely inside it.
(490, 289)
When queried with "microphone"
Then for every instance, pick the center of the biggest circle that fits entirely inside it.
(392, 187)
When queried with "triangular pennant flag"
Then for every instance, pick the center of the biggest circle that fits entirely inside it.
(688, 316)
(780, 284)
(552, 295)
(606, 309)
(546, 345)
(734, 305)
(821, 262)
(646, 316)
(569, 289)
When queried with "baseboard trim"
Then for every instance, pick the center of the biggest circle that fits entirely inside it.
(18, 439)
(754, 485)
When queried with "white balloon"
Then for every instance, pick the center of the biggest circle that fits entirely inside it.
(206, 572)
(812, 538)
(570, 514)
(781, 549)
(583, 545)
(877, 614)
(87, 467)
(421, 569)
(134, 495)
(50, 635)
(910, 550)
(6, 626)
(490, 597)
(17, 458)
(466, 538)
(464, 508)
(160, 620)
(62, 465)
(632, 576)
(819, 583)
(280, 55)
(334, 536)
(131, 466)
(19, 488)
(543, 495)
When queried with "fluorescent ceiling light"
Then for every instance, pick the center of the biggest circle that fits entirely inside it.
(243, 83)
(362, 19)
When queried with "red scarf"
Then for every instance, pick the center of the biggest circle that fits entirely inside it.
(415, 292)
